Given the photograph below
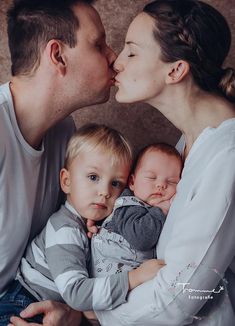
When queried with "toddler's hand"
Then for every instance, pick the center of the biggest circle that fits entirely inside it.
(92, 228)
(145, 272)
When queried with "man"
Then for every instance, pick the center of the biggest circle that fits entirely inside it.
(60, 63)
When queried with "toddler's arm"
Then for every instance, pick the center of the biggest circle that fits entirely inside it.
(66, 257)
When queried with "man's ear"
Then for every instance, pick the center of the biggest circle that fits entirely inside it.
(65, 181)
(177, 71)
(55, 53)
(131, 181)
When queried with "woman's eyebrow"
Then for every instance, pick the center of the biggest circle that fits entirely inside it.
(131, 42)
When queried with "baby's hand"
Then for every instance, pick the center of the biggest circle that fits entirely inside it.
(165, 206)
(145, 272)
(92, 228)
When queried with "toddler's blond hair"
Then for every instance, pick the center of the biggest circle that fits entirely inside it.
(92, 137)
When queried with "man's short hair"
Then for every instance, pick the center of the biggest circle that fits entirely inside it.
(32, 23)
(93, 137)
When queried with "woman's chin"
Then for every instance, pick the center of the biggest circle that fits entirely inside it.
(121, 98)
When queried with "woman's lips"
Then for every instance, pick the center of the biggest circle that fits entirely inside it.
(117, 82)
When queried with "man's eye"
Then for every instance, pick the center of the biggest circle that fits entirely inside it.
(93, 177)
(99, 46)
(116, 184)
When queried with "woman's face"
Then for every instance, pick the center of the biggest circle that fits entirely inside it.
(141, 72)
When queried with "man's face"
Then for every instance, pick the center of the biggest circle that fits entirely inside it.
(89, 71)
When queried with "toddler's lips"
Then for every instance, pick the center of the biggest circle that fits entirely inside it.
(99, 205)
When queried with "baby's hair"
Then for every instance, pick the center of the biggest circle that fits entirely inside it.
(160, 147)
(92, 137)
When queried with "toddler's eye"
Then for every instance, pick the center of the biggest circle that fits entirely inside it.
(116, 184)
(93, 177)
(131, 55)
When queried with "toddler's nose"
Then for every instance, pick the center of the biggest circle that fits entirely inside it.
(104, 192)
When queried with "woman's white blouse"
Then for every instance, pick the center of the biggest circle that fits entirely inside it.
(197, 243)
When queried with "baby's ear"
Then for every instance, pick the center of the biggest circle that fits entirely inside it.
(131, 181)
(65, 181)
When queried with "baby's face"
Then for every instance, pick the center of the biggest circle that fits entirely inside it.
(94, 183)
(156, 177)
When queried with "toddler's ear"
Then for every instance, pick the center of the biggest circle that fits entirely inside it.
(131, 181)
(65, 181)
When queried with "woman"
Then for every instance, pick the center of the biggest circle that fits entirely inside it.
(172, 59)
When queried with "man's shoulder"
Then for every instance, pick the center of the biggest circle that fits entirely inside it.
(4, 95)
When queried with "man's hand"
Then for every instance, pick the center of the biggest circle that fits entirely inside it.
(92, 228)
(145, 272)
(55, 314)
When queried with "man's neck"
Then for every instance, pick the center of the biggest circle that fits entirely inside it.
(33, 109)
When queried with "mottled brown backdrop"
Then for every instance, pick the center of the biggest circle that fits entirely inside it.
(140, 123)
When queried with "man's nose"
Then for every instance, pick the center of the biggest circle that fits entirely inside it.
(111, 57)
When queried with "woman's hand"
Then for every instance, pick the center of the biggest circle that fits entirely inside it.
(144, 272)
(55, 314)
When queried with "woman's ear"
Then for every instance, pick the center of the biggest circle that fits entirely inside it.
(65, 181)
(131, 181)
(177, 71)
(56, 56)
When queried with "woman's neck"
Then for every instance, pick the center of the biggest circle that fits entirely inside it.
(193, 111)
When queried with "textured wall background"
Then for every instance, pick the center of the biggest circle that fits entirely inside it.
(140, 123)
